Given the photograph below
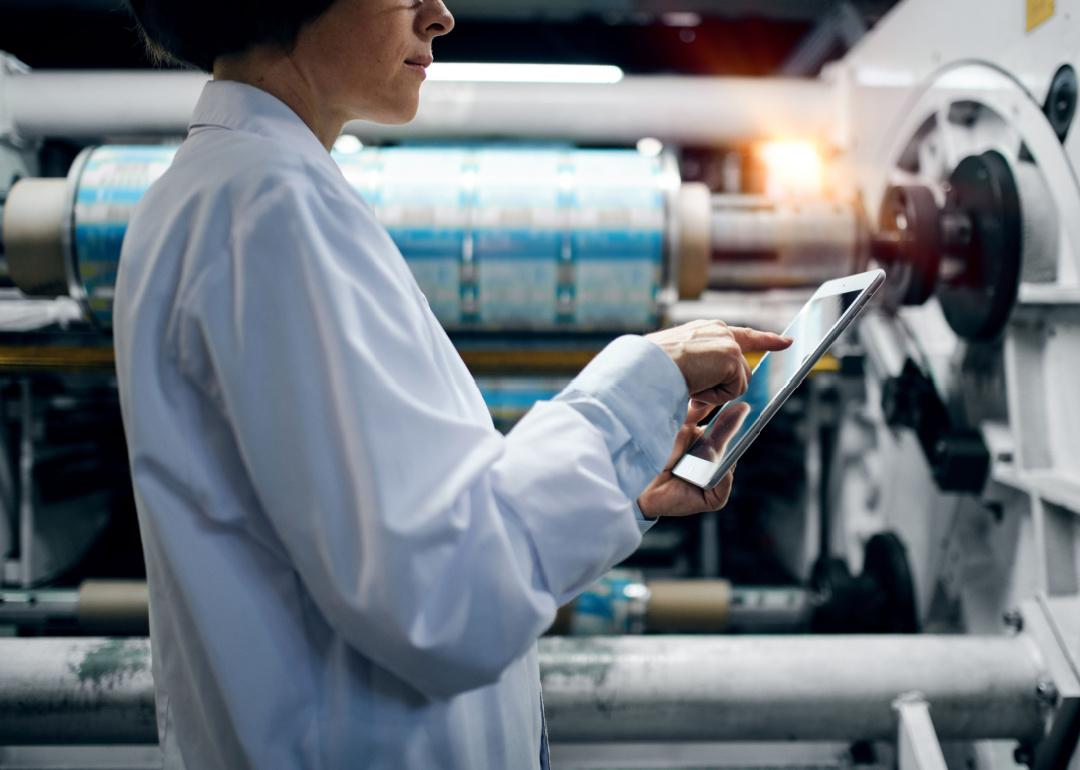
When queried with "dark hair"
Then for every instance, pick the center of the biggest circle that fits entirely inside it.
(197, 32)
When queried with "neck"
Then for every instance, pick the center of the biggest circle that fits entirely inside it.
(276, 72)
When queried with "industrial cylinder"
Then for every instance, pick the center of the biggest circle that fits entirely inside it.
(762, 688)
(759, 242)
(611, 689)
(704, 111)
(114, 605)
(34, 226)
(76, 691)
(498, 237)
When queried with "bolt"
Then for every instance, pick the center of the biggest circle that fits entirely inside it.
(1047, 693)
(1013, 620)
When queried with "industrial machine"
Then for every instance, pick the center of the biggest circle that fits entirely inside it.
(927, 478)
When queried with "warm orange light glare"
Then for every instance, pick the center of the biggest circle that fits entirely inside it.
(792, 169)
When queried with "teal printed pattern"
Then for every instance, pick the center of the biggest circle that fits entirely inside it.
(499, 237)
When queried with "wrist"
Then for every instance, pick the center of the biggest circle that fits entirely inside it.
(645, 513)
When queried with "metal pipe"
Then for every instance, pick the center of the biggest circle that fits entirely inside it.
(76, 691)
(38, 608)
(687, 110)
(101, 606)
(785, 688)
(611, 689)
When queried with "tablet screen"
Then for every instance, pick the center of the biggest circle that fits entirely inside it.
(738, 417)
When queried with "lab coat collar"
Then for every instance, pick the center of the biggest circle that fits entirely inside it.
(241, 107)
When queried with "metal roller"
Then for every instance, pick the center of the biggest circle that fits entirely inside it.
(785, 688)
(758, 242)
(686, 110)
(34, 226)
(604, 689)
(499, 238)
(96, 606)
(114, 605)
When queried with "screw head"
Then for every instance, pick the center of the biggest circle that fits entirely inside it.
(1013, 620)
(1047, 693)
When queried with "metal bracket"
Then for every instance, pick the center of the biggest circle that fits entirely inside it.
(917, 741)
(1053, 623)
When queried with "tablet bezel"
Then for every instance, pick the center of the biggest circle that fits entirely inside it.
(705, 474)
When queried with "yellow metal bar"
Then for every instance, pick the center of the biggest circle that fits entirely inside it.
(519, 361)
(56, 358)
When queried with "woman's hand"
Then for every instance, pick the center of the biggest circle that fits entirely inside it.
(669, 495)
(710, 355)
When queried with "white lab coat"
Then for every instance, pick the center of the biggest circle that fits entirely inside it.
(348, 565)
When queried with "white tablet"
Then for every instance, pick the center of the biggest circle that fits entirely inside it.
(736, 424)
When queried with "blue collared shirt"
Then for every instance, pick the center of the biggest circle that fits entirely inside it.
(348, 565)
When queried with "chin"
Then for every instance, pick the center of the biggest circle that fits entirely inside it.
(397, 114)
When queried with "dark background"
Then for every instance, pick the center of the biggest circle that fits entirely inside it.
(706, 37)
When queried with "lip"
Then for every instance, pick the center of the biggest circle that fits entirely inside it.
(419, 63)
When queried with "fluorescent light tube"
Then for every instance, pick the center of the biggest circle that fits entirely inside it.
(524, 73)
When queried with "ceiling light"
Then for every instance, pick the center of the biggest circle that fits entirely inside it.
(650, 146)
(347, 144)
(524, 73)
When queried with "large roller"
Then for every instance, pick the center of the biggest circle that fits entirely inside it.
(499, 237)
(602, 689)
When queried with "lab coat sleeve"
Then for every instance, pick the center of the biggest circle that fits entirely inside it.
(636, 397)
(435, 546)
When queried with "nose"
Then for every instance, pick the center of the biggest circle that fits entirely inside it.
(438, 20)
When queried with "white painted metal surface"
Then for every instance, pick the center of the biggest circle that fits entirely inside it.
(934, 83)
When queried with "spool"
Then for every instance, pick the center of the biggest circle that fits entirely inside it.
(694, 239)
(114, 605)
(688, 605)
(36, 216)
(499, 238)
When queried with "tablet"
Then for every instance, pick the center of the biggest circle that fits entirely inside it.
(737, 423)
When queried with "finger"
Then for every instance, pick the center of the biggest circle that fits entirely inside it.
(686, 436)
(717, 497)
(733, 387)
(755, 341)
(713, 396)
(697, 411)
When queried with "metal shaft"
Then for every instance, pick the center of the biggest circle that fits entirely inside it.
(785, 688)
(686, 109)
(76, 691)
(87, 691)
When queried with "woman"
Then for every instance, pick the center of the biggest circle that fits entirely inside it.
(348, 565)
